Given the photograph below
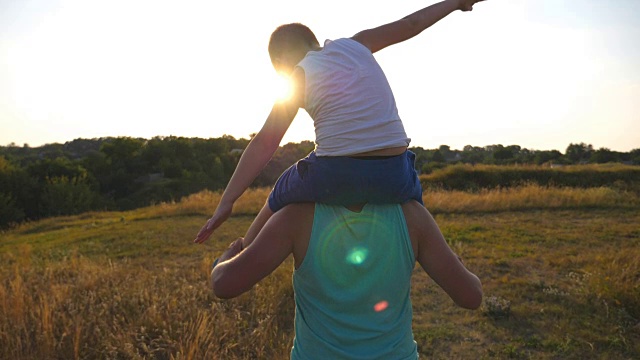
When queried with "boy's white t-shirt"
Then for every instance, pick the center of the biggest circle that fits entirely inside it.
(350, 101)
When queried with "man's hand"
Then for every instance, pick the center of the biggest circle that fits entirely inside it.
(467, 5)
(222, 213)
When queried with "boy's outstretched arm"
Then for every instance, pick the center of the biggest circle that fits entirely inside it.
(398, 31)
(254, 158)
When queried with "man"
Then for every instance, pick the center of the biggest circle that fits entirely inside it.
(352, 275)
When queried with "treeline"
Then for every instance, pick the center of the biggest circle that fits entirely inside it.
(575, 154)
(120, 173)
(124, 173)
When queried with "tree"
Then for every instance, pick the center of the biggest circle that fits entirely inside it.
(57, 167)
(525, 156)
(542, 157)
(17, 194)
(603, 155)
(578, 153)
(473, 154)
(438, 157)
(10, 213)
(421, 157)
(66, 196)
(124, 153)
(502, 154)
(635, 156)
(124, 166)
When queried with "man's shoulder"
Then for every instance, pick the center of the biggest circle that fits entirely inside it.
(296, 212)
(295, 221)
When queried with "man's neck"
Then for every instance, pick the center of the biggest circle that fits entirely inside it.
(356, 208)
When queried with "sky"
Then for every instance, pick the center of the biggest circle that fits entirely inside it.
(536, 73)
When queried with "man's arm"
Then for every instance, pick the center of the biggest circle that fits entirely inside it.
(398, 31)
(439, 261)
(255, 157)
(239, 270)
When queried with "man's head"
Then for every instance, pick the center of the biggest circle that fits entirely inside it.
(289, 44)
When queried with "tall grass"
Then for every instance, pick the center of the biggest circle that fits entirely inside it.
(205, 202)
(524, 197)
(112, 309)
(528, 197)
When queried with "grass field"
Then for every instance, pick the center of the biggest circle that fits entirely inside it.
(560, 269)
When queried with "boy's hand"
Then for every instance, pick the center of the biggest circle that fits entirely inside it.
(467, 5)
(234, 249)
(222, 213)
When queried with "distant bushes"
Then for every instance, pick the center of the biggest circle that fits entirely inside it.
(475, 178)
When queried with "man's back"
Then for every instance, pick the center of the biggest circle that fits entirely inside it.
(289, 232)
(352, 288)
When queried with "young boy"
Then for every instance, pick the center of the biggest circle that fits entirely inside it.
(361, 147)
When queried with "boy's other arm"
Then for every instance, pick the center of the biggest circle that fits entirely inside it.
(254, 158)
(398, 31)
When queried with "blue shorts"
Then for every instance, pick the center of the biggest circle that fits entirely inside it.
(343, 180)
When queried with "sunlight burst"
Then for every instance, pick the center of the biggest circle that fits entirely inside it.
(283, 88)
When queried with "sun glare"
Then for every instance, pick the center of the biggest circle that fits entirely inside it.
(283, 88)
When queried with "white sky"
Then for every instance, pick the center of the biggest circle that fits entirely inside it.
(537, 73)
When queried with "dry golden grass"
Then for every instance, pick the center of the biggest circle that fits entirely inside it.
(562, 277)
(438, 201)
(120, 309)
(528, 197)
(204, 203)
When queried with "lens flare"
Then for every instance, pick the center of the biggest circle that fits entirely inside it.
(357, 255)
(343, 257)
(381, 306)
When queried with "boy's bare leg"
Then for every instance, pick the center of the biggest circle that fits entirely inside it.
(257, 224)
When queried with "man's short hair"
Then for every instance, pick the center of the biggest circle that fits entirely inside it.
(294, 34)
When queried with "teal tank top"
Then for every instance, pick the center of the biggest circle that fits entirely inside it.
(352, 289)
